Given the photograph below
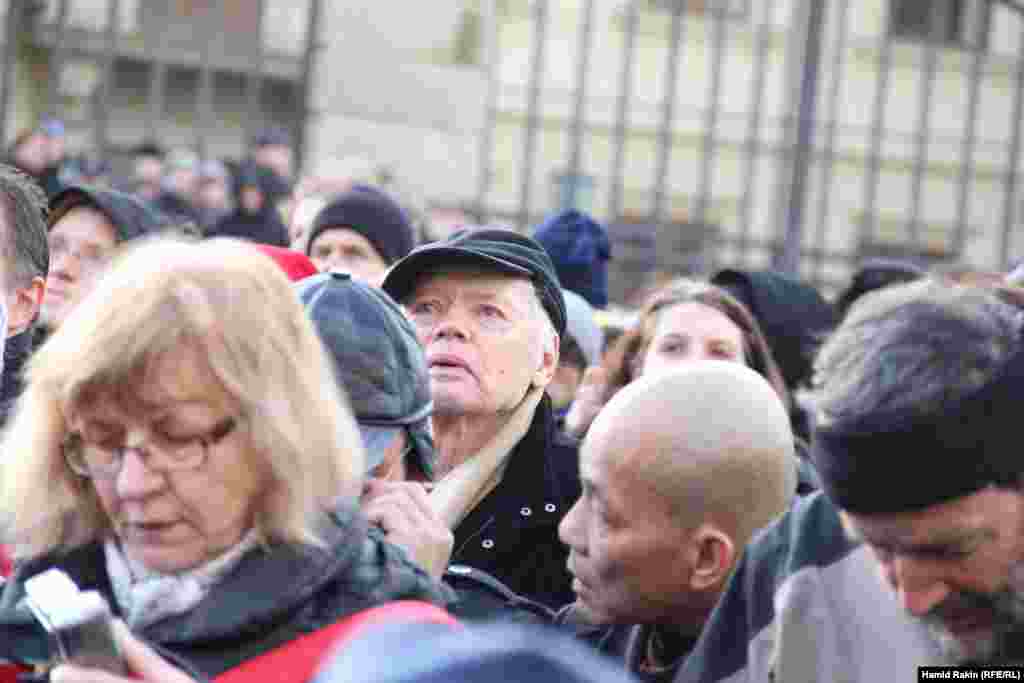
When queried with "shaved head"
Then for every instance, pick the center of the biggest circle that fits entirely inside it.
(712, 439)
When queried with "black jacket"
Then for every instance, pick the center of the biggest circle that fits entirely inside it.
(513, 532)
(630, 644)
(269, 599)
(17, 351)
(264, 227)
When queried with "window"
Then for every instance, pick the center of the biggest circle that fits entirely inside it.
(956, 22)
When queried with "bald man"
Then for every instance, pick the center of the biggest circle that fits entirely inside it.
(678, 472)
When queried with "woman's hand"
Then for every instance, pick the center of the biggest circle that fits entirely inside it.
(591, 396)
(402, 510)
(141, 660)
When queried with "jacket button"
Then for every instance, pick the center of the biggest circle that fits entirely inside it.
(550, 507)
(526, 512)
(488, 543)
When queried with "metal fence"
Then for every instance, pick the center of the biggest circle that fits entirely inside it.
(771, 162)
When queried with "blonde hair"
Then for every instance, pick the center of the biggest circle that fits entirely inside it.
(236, 307)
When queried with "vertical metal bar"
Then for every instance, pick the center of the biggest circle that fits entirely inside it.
(537, 56)
(968, 146)
(12, 31)
(56, 58)
(711, 113)
(216, 21)
(577, 127)
(923, 128)
(313, 46)
(622, 110)
(789, 262)
(254, 79)
(102, 103)
(1010, 185)
(668, 115)
(829, 152)
(485, 176)
(155, 98)
(870, 225)
(752, 144)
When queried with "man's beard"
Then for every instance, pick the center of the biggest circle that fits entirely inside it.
(1001, 644)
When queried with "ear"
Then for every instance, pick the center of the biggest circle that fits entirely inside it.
(23, 305)
(716, 554)
(548, 364)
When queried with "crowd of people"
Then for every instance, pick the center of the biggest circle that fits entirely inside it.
(285, 436)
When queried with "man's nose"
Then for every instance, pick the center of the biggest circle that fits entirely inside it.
(569, 528)
(451, 325)
(918, 588)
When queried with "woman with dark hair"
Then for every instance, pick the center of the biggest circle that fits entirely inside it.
(684, 321)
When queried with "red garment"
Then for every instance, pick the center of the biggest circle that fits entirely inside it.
(6, 563)
(295, 265)
(298, 660)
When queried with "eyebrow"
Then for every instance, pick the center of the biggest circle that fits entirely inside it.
(960, 537)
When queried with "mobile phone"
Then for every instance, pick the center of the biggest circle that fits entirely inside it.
(79, 623)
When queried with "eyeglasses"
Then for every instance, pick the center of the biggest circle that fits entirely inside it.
(162, 453)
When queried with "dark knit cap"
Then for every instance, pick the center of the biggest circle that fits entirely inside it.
(271, 137)
(893, 461)
(131, 216)
(793, 316)
(876, 274)
(580, 250)
(504, 251)
(371, 213)
(378, 361)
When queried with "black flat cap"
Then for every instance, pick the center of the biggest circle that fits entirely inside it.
(503, 251)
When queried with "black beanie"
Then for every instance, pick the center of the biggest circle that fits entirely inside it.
(892, 461)
(793, 316)
(372, 214)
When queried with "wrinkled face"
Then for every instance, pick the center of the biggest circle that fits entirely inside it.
(251, 199)
(81, 244)
(958, 566)
(348, 251)
(32, 155)
(627, 554)
(481, 334)
(276, 157)
(173, 521)
(149, 171)
(692, 331)
(214, 194)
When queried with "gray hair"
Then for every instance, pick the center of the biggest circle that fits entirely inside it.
(548, 334)
(908, 349)
(23, 207)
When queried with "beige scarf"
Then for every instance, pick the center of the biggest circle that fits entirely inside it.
(457, 494)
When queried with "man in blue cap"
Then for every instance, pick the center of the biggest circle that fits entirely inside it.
(381, 367)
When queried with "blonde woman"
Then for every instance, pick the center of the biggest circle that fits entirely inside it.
(181, 448)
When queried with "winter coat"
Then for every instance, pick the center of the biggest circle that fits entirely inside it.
(807, 603)
(17, 351)
(627, 643)
(270, 598)
(264, 227)
(512, 533)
